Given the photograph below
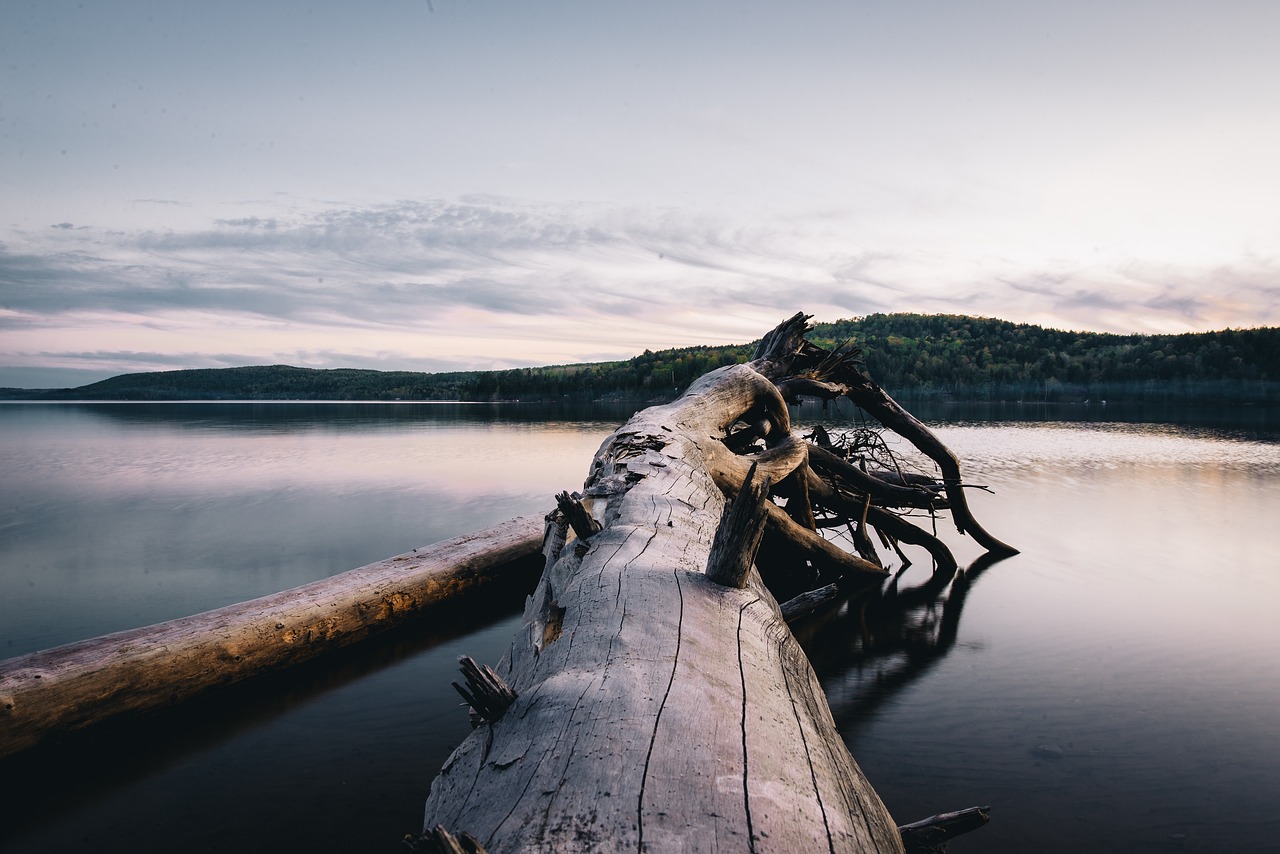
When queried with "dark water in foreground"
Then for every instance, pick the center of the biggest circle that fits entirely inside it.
(1116, 687)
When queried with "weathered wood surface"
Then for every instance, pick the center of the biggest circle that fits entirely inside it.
(77, 685)
(930, 835)
(657, 710)
(807, 603)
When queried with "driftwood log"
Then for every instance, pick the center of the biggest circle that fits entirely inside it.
(72, 687)
(656, 709)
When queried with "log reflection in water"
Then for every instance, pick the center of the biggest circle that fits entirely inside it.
(896, 634)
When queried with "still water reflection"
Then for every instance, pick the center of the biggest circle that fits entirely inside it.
(1113, 688)
(120, 515)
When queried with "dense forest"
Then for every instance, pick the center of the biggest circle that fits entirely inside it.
(911, 355)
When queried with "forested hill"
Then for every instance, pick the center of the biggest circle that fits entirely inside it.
(984, 357)
(908, 354)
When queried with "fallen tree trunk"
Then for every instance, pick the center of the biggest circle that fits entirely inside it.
(78, 685)
(645, 706)
(663, 710)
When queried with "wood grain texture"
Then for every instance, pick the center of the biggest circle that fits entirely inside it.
(75, 686)
(669, 713)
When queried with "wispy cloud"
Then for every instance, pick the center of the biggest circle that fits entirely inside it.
(482, 281)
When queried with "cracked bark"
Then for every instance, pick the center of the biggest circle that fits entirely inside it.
(671, 712)
(617, 737)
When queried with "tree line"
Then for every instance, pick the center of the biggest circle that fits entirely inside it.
(930, 355)
(911, 355)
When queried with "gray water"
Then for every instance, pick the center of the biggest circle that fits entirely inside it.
(1115, 687)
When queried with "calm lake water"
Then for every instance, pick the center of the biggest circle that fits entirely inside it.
(1115, 687)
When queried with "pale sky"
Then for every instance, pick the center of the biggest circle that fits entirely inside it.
(445, 184)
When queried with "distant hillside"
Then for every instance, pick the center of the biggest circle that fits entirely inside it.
(986, 358)
(909, 354)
